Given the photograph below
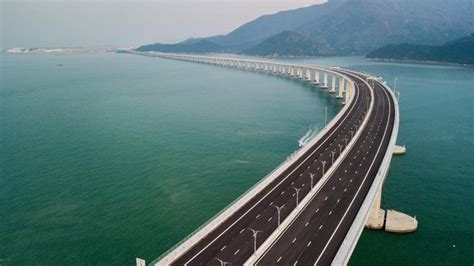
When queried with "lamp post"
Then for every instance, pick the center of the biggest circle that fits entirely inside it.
(345, 139)
(311, 175)
(223, 263)
(297, 195)
(254, 233)
(279, 212)
(340, 148)
(324, 166)
(332, 156)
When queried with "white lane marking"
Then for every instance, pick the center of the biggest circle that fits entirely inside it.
(222, 248)
(278, 260)
(306, 225)
(330, 213)
(294, 240)
(317, 210)
(269, 219)
(257, 216)
(241, 231)
(309, 243)
(237, 251)
(321, 226)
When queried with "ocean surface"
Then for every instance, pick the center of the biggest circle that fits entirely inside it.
(109, 157)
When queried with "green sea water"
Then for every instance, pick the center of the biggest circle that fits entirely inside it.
(108, 157)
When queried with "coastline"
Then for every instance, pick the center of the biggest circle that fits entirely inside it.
(422, 62)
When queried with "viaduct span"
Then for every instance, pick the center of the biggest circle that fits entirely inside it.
(313, 207)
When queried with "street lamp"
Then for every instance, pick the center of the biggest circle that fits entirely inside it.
(352, 133)
(340, 148)
(332, 156)
(324, 166)
(254, 233)
(297, 195)
(279, 212)
(345, 139)
(311, 175)
(223, 263)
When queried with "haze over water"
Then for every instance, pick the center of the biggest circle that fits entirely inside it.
(111, 157)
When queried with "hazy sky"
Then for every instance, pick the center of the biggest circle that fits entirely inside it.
(28, 23)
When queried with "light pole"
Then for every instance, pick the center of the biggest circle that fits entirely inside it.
(324, 166)
(297, 195)
(352, 133)
(345, 139)
(279, 212)
(340, 148)
(254, 233)
(223, 263)
(332, 156)
(311, 175)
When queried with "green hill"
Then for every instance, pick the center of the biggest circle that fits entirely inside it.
(354, 26)
(198, 46)
(460, 51)
(289, 43)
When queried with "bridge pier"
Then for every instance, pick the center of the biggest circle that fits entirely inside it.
(333, 86)
(308, 74)
(325, 81)
(341, 89)
(393, 221)
(316, 77)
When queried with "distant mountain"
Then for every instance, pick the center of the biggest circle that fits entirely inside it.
(289, 43)
(459, 51)
(197, 46)
(359, 26)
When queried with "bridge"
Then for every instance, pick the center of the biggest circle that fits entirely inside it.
(313, 207)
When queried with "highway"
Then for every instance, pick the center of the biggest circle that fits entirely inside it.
(320, 228)
(232, 241)
(302, 213)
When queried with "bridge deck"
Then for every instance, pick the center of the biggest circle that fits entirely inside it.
(352, 150)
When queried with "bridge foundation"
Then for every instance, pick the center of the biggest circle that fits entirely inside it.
(391, 220)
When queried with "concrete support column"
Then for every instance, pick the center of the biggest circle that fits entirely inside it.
(325, 80)
(308, 74)
(376, 217)
(341, 88)
(316, 77)
(333, 86)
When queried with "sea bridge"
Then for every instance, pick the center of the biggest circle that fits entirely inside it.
(313, 207)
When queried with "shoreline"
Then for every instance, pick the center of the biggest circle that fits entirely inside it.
(422, 62)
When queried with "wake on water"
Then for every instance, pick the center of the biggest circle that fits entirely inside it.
(310, 134)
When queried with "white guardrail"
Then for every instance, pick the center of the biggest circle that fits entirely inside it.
(217, 219)
(350, 241)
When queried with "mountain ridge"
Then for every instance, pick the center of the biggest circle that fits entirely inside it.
(357, 26)
(459, 51)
